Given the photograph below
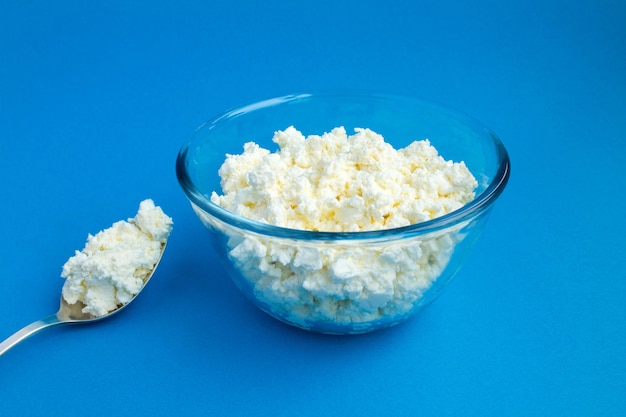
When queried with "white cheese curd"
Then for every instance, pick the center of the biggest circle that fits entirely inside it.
(340, 183)
(114, 263)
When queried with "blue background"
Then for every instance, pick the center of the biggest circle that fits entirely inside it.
(97, 97)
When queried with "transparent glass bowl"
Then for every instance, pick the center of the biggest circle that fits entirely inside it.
(289, 273)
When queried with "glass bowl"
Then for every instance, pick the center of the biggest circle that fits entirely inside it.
(393, 273)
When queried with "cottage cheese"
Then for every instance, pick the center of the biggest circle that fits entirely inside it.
(340, 183)
(114, 263)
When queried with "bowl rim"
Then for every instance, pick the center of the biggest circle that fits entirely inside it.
(465, 213)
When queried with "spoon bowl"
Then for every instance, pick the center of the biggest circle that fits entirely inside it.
(69, 314)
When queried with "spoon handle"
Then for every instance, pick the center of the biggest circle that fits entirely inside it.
(27, 331)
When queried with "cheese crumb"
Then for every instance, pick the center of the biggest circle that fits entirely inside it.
(340, 183)
(114, 263)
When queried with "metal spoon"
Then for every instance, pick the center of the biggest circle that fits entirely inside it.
(68, 313)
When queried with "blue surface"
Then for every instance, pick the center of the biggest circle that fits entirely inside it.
(96, 99)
